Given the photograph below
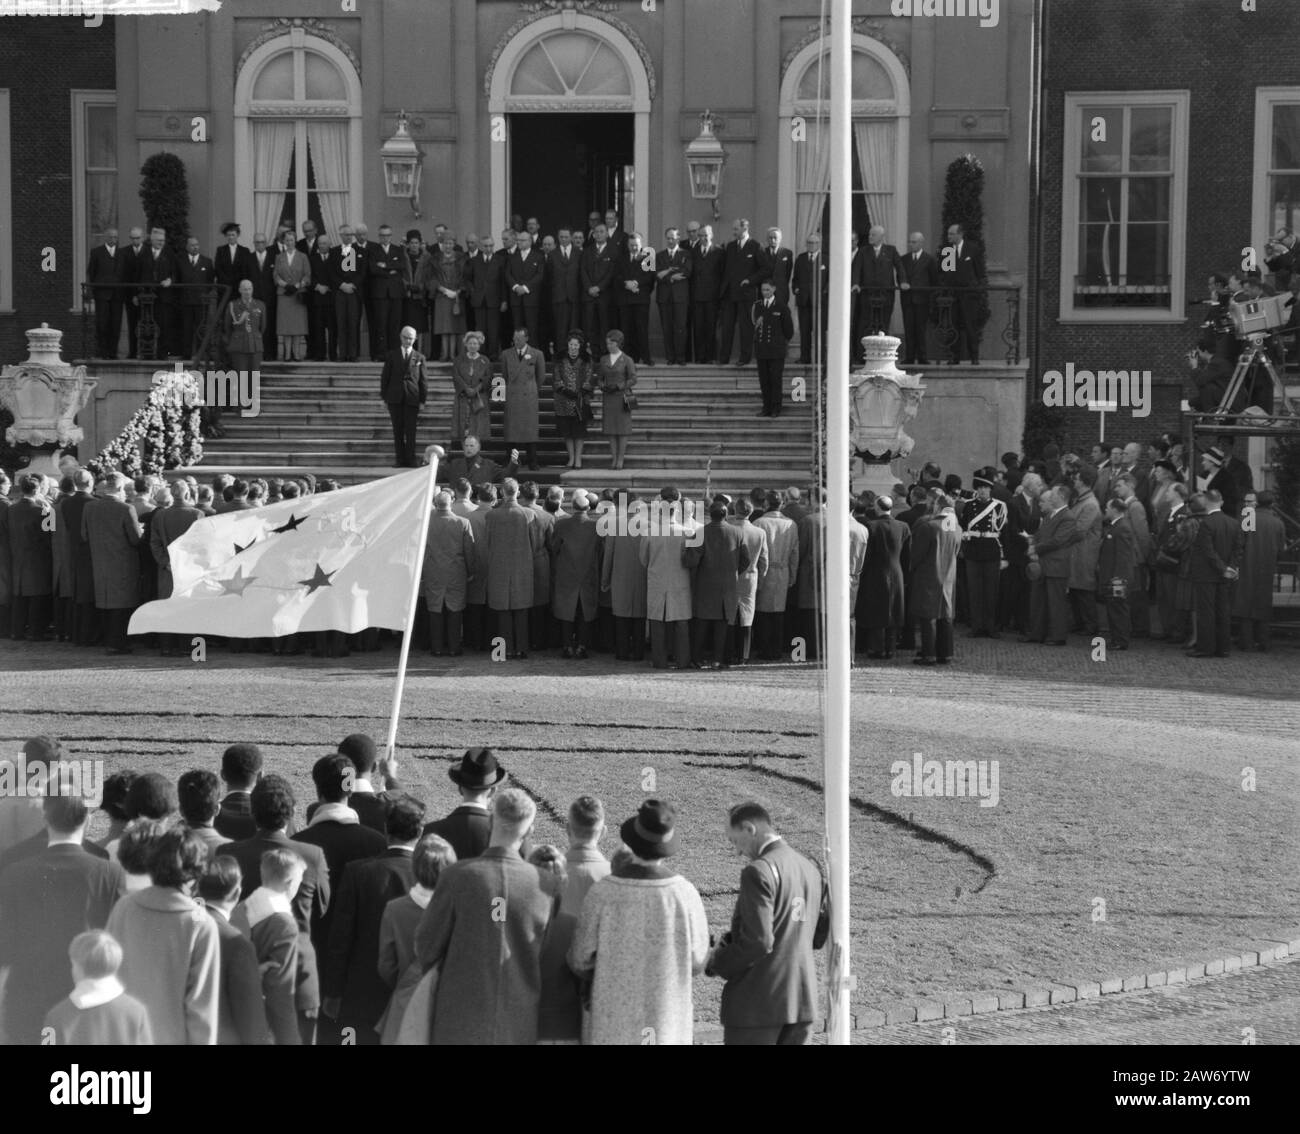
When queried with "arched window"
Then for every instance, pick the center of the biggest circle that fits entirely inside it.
(881, 106)
(298, 143)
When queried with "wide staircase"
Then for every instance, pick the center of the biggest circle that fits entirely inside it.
(694, 426)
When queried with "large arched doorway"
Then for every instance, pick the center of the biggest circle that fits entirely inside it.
(298, 134)
(881, 109)
(569, 99)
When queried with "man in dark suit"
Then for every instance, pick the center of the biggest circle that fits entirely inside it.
(388, 277)
(766, 958)
(857, 302)
(132, 272)
(233, 262)
(780, 264)
(614, 232)
(598, 273)
(1049, 607)
(566, 288)
(241, 764)
(673, 266)
(46, 899)
(810, 284)
(106, 272)
(404, 389)
(241, 1012)
(920, 272)
(501, 257)
(31, 555)
(773, 330)
(961, 264)
(882, 271)
(322, 324)
(716, 565)
(1215, 564)
(477, 776)
(746, 267)
(351, 991)
(636, 281)
(77, 552)
(1117, 558)
(708, 268)
(483, 275)
(262, 269)
(371, 806)
(197, 271)
(347, 274)
(272, 806)
(307, 245)
(1219, 479)
(158, 270)
(525, 274)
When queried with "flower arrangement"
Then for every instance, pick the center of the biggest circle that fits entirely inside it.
(165, 433)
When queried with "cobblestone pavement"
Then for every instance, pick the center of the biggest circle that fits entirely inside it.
(1260, 1003)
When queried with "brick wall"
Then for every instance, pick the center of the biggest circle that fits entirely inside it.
(42, 60)
(1221, 55)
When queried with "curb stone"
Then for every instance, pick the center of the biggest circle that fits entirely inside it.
(1265, 950)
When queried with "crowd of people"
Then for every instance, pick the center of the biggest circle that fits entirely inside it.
(1043, 548)
(215, 911)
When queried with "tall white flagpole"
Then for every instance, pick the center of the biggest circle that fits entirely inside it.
(435, 454)
(836, 733)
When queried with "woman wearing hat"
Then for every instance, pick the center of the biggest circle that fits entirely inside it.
(415, 305)
(642, 935)
(292, 285)
(616, 378)
(449, 291)
(571, 382)
(471, 374)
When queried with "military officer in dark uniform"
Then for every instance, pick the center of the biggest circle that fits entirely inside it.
(982, 521)
(773, 330)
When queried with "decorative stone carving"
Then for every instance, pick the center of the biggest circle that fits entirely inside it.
(875, 29)
(283, 25)
(882, 400)
(44, 394)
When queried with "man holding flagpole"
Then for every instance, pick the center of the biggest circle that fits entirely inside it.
(404, 388)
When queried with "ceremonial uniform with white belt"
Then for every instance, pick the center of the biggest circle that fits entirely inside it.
(982, 522)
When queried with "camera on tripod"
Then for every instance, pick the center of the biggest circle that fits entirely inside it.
(1260, 316)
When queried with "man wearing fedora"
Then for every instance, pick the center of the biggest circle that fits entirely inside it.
(641, 938)
(484, 929)
(467, 828)
(766, 957)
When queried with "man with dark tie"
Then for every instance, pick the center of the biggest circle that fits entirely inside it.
(159, 271)
(525, 273)
(857, 316)
(105, 273)
(502, 258)
(262, 276)
(388, 278)
(365, 291)
(810, 284)
(132, 271)
(231, 263)
(307, 245)
(566, 287)
(708, 265)
(614, 232)
(636, 280)
(882, 271)
(673, 269)
(346, 275)
(198, 273)
(322, 325)
(597, 276)
(483, 275)
(745, 268)
(961, 265)
(404, 387)
(921, 273)
(780, 263)
(773, 330)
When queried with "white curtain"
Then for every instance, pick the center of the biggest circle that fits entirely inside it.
(272, 153)
(875, 143)
(812, 184)
(327, 143)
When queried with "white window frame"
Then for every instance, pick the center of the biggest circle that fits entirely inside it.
(1266, 98)
(6, 209)
(81, 99)
(1180, 101)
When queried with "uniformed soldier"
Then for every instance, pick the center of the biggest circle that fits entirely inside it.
(982, 521)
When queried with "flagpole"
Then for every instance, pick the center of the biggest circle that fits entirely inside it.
(836, 732)
(434, 453)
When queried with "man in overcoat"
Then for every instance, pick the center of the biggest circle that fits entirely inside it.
(109, 524)
(881, 599)
(575, 573)
(448, 563)
(510, 540)
(716, 565)
(525, 373)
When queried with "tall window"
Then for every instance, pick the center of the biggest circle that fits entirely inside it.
(1278, 121)
(1124, 200)
(94, 174)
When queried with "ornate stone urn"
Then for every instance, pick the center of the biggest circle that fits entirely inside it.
(44, 394)
(882, 400)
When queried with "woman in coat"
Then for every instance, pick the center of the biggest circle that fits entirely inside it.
(571, 384)
(932, 584)
(471, 375)
(292, 284)
(448, 291)
(415, 304)
(616, 377)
